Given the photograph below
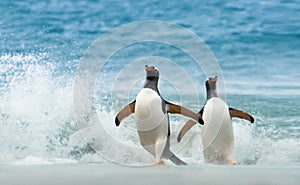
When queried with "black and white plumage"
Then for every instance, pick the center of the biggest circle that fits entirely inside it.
(217, 133)
(152, 121)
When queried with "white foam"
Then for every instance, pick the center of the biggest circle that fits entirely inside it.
(34, 109)
(281, 152)
(38, 125)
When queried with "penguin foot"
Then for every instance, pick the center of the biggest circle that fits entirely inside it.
(231, 162)
(159, 163)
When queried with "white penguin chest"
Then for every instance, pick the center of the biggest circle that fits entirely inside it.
(218, 124)
(215, 109)
(148, 110)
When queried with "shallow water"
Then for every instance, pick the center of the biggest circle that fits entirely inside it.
(95, 173)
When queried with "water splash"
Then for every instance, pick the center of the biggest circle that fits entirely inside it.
(35, 110)
(38, 126)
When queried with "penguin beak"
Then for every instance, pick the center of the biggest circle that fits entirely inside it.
(148, 68)
(214, 79)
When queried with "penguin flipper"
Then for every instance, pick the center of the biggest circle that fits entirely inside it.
(187, 126)
(177, 109)
(124, 112)
(240, 114)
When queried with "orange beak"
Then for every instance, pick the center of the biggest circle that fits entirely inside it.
(214, 79)
(147, 68)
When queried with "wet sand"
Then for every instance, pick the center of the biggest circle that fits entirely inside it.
(88, 174)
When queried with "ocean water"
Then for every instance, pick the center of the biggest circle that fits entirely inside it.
(256, 45)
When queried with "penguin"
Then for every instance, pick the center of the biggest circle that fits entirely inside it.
(151, 116)
(217, 133)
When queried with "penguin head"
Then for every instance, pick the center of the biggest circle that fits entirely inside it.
(152, 72)
(211, 83)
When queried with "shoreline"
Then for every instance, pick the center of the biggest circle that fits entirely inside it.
(94, 173)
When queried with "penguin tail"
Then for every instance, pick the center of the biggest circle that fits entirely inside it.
(176, 160)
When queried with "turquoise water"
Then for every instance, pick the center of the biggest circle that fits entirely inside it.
(255, 43)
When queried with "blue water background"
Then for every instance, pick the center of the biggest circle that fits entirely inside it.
(256, 43)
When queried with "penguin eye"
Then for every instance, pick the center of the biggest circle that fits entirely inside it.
(155, 69)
